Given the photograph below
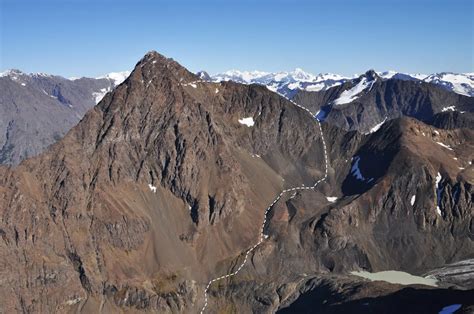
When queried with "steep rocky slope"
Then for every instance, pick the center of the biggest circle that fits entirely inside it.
(38, 109)
(163, 186)
(155, 185)
(405, 202)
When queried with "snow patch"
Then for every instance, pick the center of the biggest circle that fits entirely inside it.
(450, 108)
(295, 85)
(350, 95)
(331, 199)
(355, 170)
(412, 200)
(247, 121)
(376, 127)
(73, 301)
(316, 87)
(438, 211)
(439, 190)
(450, 309)
(444, 145)
(152, 188)
(438, 178)
(100, 94)
(116, 77)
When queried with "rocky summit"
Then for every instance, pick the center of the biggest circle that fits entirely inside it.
(167, 197)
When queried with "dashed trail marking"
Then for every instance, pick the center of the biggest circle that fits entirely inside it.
(263, 236)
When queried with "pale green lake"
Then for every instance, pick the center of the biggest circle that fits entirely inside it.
(398, 277)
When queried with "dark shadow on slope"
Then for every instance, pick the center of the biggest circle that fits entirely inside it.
(366, 169)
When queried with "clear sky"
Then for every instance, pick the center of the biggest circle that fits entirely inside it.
(93, 37)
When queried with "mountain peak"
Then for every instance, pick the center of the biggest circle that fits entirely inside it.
(203, 75)
(154, 57)
(154, 64)
(153, 54)
(371, 75)
(11, 72)
(300, 75)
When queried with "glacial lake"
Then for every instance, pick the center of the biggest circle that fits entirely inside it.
(397, 277)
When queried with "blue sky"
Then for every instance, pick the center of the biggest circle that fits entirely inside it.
(92, 37)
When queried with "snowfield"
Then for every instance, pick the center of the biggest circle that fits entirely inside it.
(352, 94)
(247, 121)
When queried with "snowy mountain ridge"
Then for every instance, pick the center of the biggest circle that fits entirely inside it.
(116, 77)
(287, 83)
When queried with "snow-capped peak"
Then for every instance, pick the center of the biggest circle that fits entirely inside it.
(299, 75)
(13, 73)
(462, 83)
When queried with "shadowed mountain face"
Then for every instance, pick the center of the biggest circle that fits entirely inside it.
(163, 186)
(36, 110)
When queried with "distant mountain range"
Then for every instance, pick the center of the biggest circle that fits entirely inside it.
(287, 83)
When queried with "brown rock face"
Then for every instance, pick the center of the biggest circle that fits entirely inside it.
(83, 222)
(160, 188)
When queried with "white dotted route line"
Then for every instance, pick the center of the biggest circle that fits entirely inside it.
(262, 234)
